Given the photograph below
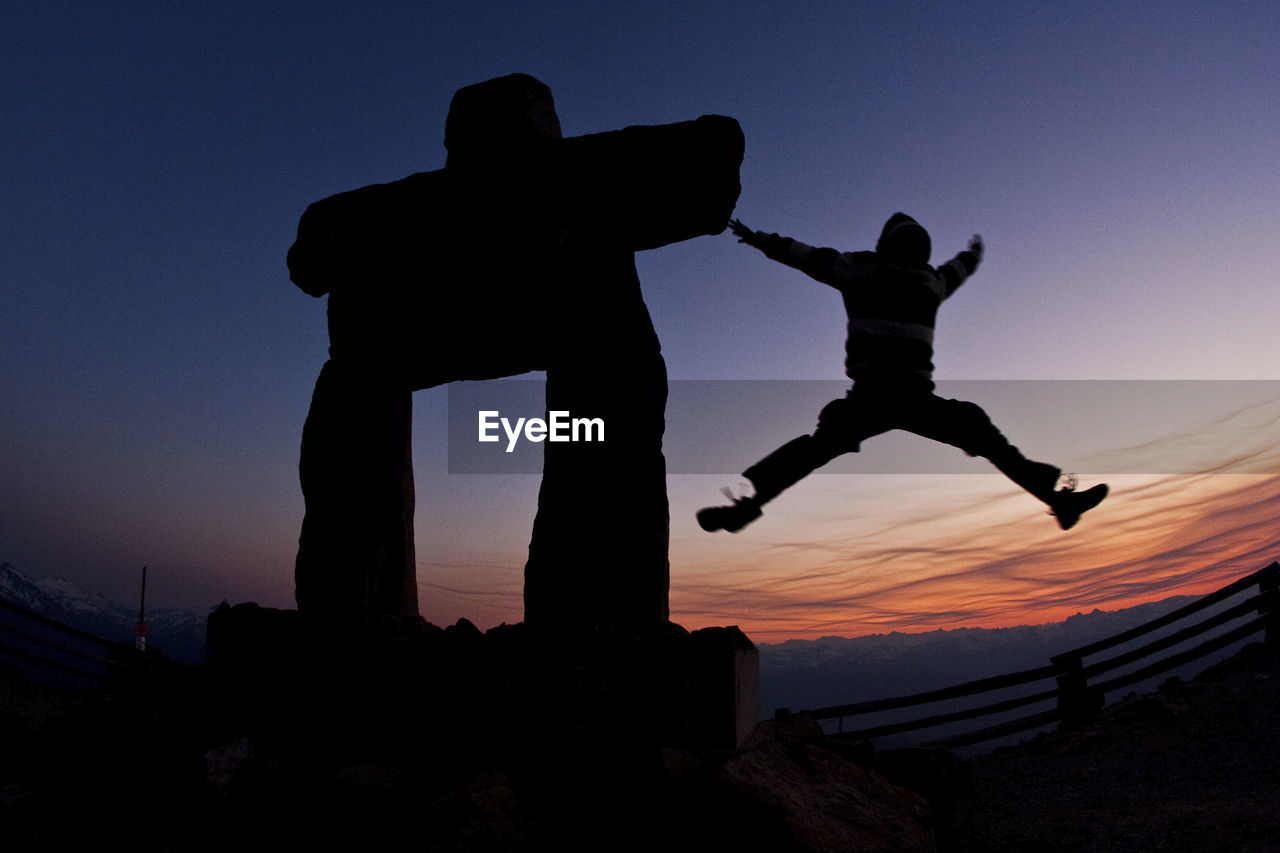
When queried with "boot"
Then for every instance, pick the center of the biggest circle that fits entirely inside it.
(1067, 505)
(1040, 478)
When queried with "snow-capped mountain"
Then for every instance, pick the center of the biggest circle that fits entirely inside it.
(178, 632)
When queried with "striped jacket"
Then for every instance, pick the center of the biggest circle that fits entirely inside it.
(892, 309)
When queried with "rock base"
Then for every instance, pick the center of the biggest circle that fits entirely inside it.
(395, 685)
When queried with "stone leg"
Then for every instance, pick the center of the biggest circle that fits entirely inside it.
(598, 554)
(355, 554)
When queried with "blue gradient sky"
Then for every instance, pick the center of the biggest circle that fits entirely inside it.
(156, 363)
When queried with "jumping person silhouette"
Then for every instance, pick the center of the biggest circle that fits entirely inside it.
(892, 297)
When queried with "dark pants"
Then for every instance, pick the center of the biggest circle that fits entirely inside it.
(846, 422)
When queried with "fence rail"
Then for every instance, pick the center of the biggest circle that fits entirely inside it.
(50, 651)
(1077, 699)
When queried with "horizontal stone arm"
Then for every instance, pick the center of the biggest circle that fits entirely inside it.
(637, 188)
(650, 185)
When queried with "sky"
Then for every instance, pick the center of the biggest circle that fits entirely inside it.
(156, 363)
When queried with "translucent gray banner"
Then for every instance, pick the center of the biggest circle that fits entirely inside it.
(723, 426)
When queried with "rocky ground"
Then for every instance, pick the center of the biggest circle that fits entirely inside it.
(164, 764)
(1195, 766)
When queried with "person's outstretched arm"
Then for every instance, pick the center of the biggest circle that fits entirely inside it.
(817, 263)
(956, 270)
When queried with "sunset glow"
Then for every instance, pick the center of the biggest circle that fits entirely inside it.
(1119, 162)
(1010, 566)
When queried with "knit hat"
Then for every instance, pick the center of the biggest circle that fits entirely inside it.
(904, 241)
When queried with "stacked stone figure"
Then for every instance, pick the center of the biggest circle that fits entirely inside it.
(518, 255)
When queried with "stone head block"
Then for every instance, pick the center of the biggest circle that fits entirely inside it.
(491, 118)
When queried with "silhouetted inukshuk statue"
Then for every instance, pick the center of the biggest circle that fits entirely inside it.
(517, 256)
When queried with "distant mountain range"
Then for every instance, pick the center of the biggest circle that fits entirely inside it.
(178, 633)
(810, 674)
(796, 674)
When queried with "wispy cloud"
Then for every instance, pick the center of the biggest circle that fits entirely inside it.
(852, 555)
(966, 552)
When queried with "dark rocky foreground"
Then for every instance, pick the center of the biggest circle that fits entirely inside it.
(1195, 766)
(181, 758)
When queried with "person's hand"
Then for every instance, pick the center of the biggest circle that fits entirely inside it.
(975, 245)
(742, 232)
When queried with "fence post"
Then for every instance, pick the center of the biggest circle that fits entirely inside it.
(1077, 703)
(1269, 586)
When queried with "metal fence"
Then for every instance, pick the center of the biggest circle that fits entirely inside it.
(47, 652)
(1073, 684)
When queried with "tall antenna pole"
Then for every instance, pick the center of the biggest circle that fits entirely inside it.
(142, 610)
